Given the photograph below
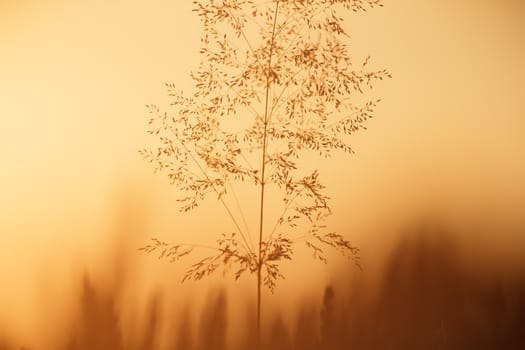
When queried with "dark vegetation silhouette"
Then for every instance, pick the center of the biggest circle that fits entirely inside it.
(184, 333)
(428, 298)
(98, 325)
(276, 82)
(212, 331)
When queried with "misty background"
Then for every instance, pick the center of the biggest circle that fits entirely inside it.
(446, 145)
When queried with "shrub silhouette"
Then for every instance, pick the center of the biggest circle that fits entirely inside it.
(212, 333)
(427, 298)
(97, 327)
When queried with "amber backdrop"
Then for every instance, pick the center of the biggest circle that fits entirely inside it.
(447, 140)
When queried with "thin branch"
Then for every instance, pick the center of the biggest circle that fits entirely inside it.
(243, 217)
(232, 217)
(246, 40)
(285, 210)
(248, 106)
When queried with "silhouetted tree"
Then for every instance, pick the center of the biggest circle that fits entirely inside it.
(149, 337)
(307, 329)
(184, 331)
(98, 325)
(276, 81)
(329, 331)
(279, 337)
(212, 333)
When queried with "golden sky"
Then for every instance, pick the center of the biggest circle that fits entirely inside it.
(75, 77)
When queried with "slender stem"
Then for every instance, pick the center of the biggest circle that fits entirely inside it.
(263, 180)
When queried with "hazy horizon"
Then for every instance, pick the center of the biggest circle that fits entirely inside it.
(446, 143)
